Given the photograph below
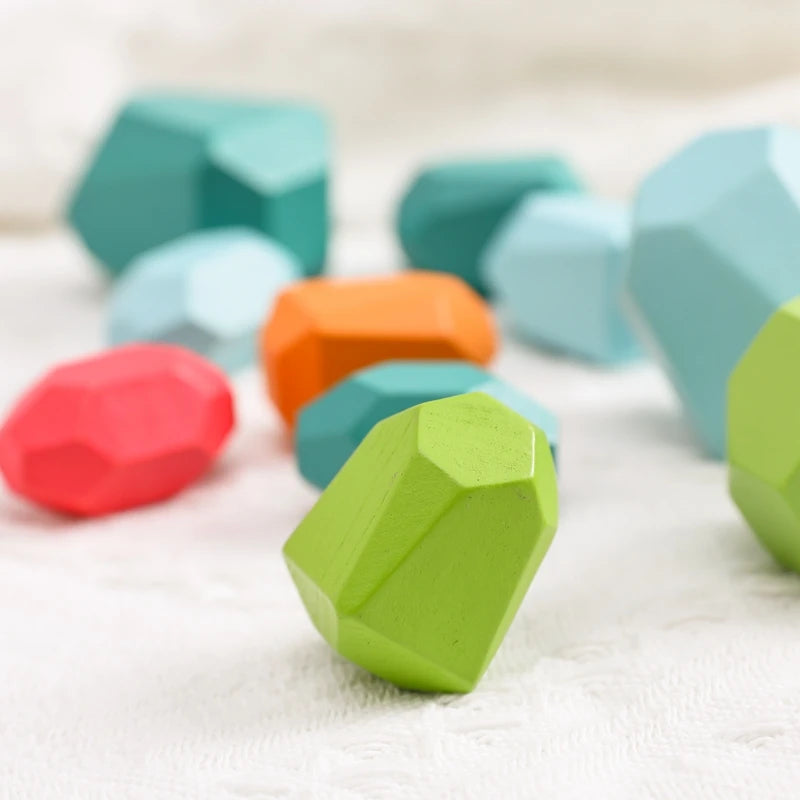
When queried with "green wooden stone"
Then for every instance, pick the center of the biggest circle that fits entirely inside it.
(763, 435)
(451, 209)
(416, 557)
(173, 164)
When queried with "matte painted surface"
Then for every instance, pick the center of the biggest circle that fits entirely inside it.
(172, 164)
(557, 266)
(130, 426)
(331, 427)
(209, 291)
(414, 560)
(451, 209)
(715, 251)
(321, 330)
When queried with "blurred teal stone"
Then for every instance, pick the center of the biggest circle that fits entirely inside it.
(715, 250)
(557, 267)
(451, 209)
(172, 164)
(209, 291)
(331, 427)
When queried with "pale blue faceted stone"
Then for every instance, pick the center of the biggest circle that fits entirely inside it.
(715, 250)
(331, 427)
(557, 266)
(209, 291)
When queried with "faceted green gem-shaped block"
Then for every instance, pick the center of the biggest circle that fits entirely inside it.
(450, 211)
(557, 266)
(209, 291)
(173, 164)
(416, 557)
(331, 427)
(764, 432)
(716, 233)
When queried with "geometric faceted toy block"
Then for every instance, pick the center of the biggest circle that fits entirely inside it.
(173, 164)
(450, 210)
(208, 291)
(130, 426)
(764, 435)
(715, 247)
(321, 330)
(557, 266)
(331, 427)
(416, 557)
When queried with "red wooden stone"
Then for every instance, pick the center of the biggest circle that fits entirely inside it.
(131, 426)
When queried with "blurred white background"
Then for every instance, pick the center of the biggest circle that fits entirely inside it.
(615, 85)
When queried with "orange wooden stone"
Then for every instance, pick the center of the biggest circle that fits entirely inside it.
(323, 329)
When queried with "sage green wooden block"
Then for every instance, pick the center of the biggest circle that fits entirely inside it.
(451, 209)
(173, 164)
(416, 557)
(764, 432)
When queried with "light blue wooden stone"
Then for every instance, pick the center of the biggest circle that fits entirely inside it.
(715, 250)
(557, 266)
(173, 164)
(331, 427)
(209, 291)
(450, 211)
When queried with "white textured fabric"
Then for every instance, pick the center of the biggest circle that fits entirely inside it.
(164, 653)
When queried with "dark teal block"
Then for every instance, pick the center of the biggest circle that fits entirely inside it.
(451, 210)
(280, 194)
(173, 164)
(331, 427)
(324, 441)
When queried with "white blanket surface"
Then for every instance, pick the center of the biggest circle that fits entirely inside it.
(164, 653)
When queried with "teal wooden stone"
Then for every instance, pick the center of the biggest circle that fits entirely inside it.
(715, 250)
(451, 209)
(173, 164)
(331, 427)
(209, 291)
(557, 266)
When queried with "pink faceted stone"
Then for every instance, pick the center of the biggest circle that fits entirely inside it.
(130, 426)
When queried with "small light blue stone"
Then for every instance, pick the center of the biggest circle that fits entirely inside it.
(715, 250)
(451, 209)
(331, 427)
(557, 267)
(209, 291)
